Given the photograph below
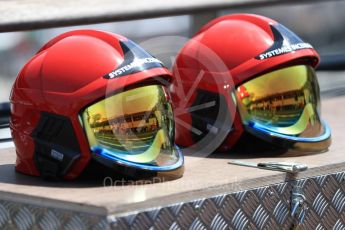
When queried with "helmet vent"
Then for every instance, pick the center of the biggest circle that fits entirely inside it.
(56, 146)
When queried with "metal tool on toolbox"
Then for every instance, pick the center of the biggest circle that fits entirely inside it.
(297, 199)
(289, 167)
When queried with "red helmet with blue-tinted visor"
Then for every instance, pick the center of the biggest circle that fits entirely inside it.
(268, 87)
(93, 96)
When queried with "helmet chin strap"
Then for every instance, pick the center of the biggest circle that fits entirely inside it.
(263, 129)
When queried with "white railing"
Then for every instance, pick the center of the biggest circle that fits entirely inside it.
(18, 15)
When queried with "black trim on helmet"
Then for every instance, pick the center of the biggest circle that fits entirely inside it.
(56, 145)
(285, 41)
(136, 59)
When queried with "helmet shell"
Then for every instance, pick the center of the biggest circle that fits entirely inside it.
(68, 73)
(248, 45)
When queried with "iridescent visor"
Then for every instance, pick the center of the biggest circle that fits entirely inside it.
(284, 103)
(134, 128)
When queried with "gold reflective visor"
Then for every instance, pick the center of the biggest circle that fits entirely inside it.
(284, 103)
(134, 128)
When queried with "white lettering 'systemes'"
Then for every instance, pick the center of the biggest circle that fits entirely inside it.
(135, 63)
(285, 49)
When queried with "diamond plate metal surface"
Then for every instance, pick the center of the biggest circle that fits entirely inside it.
(261, 208)
(23, 216)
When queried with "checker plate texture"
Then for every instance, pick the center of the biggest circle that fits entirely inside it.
(21, 216)
(261, 208)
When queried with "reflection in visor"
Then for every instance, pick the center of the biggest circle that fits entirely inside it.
(285, 101)
(134, 126)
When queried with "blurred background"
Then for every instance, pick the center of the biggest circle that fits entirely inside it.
(320, 23)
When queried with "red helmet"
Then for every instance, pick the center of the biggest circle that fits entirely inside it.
(93, 95)
(264, 75)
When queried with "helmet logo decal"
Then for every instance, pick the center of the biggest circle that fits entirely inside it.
(285, 41)
(135, 60)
